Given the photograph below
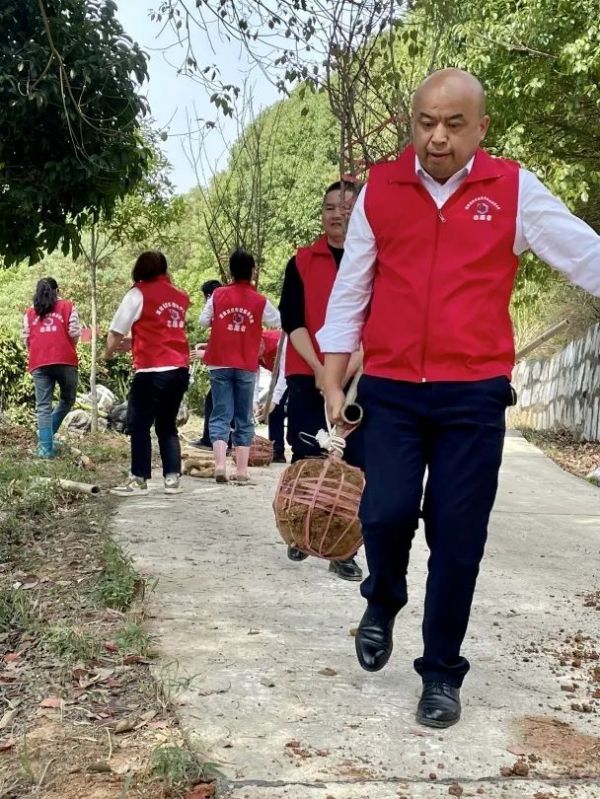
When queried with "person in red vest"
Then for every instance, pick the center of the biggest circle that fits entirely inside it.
(277, 411)
(307, 285)
(235, 315)
(154, 311)
(431, 256)
(51, 330)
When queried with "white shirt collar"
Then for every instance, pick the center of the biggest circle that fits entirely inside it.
(462, 173)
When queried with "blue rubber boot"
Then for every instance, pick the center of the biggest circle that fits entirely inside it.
(57, 419)
(45, 443)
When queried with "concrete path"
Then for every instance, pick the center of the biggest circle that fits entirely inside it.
(260, 654)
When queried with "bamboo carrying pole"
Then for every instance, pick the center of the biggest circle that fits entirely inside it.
(274, 378)
(542, 339)
(71, 485)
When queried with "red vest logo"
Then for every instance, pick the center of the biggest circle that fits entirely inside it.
(483, 208)
(175, 313)
(240, 319)
(48, 323)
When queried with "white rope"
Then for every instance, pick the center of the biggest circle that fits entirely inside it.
(328, 439)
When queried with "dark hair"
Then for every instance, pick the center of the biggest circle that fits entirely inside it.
(210, 286)
(46, 295)
(150, 264)
(352, 188)
(241, 265)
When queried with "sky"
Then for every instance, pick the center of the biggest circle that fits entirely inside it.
(173, 96)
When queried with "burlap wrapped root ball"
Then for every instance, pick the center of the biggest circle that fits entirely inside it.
(261, 452)
(316, 507)
(197, 463)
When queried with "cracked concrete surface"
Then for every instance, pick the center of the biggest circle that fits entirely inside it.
(262, 650)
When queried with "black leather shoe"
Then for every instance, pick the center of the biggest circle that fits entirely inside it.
(374, 641)
(296, 554)
(346, 569)
(439, 705)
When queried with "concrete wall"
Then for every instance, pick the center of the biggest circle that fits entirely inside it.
(562, 391)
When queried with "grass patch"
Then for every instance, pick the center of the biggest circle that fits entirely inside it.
(71, 645)
(176, 767)
(16, 612)
(119, 582)
(134, 640)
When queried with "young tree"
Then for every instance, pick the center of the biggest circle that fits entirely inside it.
(148, 215)
(70, 140)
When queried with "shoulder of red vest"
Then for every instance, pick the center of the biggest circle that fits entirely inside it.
(304, 255)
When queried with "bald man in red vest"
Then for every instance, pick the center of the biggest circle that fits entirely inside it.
(430, 260)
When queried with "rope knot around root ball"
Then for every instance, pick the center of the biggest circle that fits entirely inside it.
(316, 507)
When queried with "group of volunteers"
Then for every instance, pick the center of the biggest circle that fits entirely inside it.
(410, 281)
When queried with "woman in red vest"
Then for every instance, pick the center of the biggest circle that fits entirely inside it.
(235, 315)
(154, 311)
(51, 330)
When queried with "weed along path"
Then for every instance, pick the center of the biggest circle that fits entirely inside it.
(258, 651)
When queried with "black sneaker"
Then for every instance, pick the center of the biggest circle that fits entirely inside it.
(296, 555)
(279, 459)
(346, 569)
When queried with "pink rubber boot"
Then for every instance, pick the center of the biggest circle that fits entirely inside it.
(220, 450)
(242, 455)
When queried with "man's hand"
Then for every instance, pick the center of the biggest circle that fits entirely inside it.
(125, 345)
(335, 399)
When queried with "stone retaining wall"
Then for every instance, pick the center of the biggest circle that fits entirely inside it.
(562, 391)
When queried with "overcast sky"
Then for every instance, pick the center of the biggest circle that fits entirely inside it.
(171, 95)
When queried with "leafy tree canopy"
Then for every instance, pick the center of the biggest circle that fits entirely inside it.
(70, 140)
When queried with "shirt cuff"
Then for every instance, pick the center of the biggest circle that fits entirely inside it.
(333, 339)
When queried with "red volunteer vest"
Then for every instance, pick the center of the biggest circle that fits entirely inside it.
(271, 341)
(317, 269)
(49, 342)
(236, 328)
(159, 337)
(443, 279)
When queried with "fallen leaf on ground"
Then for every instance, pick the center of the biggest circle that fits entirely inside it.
(8, 718)
(328, 672)
(12, 657)
(111, 646)
(52, 701)
(7, 744)
(203, 791)
(126, 725)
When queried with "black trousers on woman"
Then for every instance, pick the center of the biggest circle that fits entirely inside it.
(154, 399)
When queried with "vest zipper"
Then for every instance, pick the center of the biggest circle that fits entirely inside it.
(440, 220)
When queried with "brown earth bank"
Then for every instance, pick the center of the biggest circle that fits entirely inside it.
(564, 447)
(80, 713)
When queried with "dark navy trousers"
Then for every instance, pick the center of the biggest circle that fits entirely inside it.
(306, 415)
(454, 431)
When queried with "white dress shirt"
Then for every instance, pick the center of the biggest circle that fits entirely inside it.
(264, 377)
(271, 318)
(544, 225)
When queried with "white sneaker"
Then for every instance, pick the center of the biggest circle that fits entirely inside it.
(172, 485)
(135, 486)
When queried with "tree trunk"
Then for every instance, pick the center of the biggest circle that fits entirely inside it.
(94, 321)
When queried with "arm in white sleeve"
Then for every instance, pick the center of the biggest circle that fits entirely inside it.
(271, 316)
(128, 312)
(281, 384)
(555, 235)
(74, 325)
(353, 286)
(207, 314)
(25, 331)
